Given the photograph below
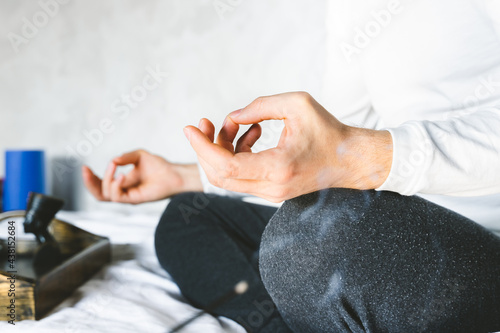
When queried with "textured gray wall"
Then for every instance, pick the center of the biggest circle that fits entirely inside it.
(67, 76)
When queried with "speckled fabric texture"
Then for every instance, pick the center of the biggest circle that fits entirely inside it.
(363, 261)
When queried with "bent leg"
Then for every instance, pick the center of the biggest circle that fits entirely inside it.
(210, 243)
(363, 261)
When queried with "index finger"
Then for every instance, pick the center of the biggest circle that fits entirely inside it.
(128, 158)
(276, 107)
(92, 183)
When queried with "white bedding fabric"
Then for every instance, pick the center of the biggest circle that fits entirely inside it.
(132, 294)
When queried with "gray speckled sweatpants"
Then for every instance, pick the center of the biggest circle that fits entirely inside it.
(363, 261)
(334, 261)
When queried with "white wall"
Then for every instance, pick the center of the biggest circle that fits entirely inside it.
(64, 79)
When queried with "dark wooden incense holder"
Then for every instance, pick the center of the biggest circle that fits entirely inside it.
(46, 270)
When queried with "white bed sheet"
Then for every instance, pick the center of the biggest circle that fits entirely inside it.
(132, 294)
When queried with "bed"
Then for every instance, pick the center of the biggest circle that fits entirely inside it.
(132, 294)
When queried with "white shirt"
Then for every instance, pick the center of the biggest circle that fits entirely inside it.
(429, 72)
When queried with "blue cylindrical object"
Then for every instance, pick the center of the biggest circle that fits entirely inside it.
(24, 173)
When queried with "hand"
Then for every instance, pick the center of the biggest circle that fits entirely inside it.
(315, 151)
(152, 178)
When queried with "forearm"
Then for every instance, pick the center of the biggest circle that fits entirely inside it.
(190, 180)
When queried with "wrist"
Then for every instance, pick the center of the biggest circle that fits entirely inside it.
(371, 160)
(190, 177)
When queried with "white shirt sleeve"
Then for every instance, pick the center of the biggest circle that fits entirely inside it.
(459, 156)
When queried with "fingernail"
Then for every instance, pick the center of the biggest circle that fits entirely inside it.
(199, 124)
(186, 132)
(235, 114)
(225, 121)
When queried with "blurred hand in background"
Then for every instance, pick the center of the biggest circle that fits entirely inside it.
(152, 178)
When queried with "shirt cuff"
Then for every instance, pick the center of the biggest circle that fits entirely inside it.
(412, 156)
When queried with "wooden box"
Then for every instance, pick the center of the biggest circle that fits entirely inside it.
(38, 292)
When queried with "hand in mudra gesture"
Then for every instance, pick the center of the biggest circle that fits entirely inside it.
(315, 150)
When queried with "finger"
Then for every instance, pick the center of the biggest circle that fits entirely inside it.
(249, 166)
(208, 128)
(117, 194)
(212, 153)
(227, 134)
(132, 157)
(247, 140)
(255, 166)
(92, 183)
(107, 179)
(131, 179)
(277, 107)
(245, 166)
(262, 189)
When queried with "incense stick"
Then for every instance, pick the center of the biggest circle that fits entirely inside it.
(239, 289)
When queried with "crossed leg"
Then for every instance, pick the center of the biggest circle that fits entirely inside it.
(363, 261)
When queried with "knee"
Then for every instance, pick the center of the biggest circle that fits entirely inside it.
(330, 220)
(309, 245)
(316, 222)
(325, 223)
